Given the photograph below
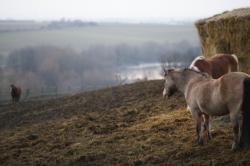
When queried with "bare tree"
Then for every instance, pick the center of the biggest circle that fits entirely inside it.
(164, 64)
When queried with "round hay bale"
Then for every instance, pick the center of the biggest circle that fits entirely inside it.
(228, 32)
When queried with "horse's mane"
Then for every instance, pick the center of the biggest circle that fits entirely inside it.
(200, 73)
(205, 75)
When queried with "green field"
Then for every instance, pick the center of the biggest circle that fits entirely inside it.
(104, 34)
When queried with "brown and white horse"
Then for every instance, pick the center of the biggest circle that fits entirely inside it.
(217, 65)
(205, 96)
(15, 93)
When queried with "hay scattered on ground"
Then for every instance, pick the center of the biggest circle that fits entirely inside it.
(127, 125)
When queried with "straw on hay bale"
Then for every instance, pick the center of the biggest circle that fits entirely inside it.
(228, 32)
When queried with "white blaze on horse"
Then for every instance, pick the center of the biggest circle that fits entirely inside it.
(15, 93)
(217, 65)
(205, 96)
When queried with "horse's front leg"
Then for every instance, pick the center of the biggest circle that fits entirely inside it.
(206, 127)
(197, 117)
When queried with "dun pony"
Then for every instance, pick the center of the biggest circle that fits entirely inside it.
(205, 96)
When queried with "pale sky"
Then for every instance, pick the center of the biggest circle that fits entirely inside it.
(115, 9)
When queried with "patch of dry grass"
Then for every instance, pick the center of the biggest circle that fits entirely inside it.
(128, 125)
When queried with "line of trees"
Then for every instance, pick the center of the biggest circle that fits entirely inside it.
(70, 23)
(40, 68)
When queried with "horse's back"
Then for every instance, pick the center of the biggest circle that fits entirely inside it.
(231, 87)
(236, 76)
(217, 65)
(226, 62)
(220, 94)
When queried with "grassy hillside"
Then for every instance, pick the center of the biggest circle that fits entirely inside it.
(127, 125)
(104, 34)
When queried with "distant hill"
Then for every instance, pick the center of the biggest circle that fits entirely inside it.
(18, 35)
(30, 25)
(65, 24)
(21, 25)
(125, 125)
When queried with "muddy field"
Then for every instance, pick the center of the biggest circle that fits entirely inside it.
(127, 125)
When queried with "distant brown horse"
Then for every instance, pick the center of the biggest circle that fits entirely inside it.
(15, 93)
(205, 96)
(217, 65)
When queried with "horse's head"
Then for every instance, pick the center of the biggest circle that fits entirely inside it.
(169, 85)
(177, 79)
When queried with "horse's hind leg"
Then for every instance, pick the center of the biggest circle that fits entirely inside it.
(237, 125)
(236, 120)
(235, 144)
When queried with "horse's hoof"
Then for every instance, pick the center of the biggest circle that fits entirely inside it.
(210, 136)
(199, 142)
(235, 147)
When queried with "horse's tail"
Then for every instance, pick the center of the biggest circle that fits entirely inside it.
(245, 132)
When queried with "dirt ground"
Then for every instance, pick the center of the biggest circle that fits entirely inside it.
(126, 125)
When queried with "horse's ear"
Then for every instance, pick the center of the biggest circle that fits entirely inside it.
(166, 72)
(170, 70)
